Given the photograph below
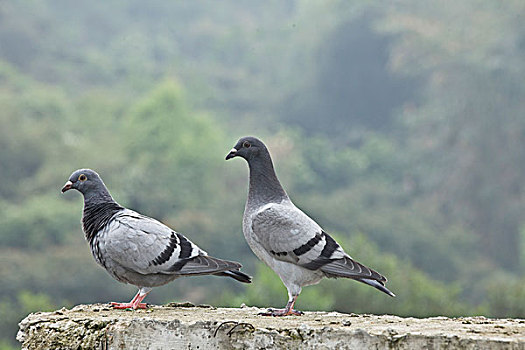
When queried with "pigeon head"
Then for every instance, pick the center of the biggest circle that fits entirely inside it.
(264, 184)
(87, 182)
(248, 147)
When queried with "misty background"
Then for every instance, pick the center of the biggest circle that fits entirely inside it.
(400, 128)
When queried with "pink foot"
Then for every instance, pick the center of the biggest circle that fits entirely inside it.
(129, 305)
(134, 304)
(281, 312)
(287, 311)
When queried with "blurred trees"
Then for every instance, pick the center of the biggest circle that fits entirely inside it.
(174, 152)
(468, 124)
(350, 86)
(397, 127)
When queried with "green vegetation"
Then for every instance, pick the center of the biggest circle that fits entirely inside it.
(399, 128)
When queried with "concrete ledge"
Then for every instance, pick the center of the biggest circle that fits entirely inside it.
(184, 326)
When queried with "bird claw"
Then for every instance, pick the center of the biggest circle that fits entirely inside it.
(129, 306)
(281, 312)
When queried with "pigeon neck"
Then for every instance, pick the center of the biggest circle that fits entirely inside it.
(264, 184)
(99, 209)
(100, 195)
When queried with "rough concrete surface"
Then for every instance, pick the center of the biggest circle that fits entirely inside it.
(184, 326)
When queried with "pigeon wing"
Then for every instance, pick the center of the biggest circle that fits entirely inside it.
(290, 235)
(144, 245)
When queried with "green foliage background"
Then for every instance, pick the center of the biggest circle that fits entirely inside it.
(399, 128)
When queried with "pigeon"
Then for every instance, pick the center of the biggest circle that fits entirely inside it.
(288, 240)
(136, 249)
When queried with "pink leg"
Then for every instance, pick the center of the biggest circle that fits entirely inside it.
(134, 304)
(284, 312)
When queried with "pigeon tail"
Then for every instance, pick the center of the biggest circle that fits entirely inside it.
(236, 275)
(204, 265)
(349, 268)
(376, 285)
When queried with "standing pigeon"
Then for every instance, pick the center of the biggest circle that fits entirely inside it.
(285, 238)
(137, 249)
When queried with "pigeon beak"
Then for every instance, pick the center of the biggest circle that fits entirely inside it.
(233, 153)
(67, 186)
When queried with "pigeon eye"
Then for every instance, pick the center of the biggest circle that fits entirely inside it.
(246, 144)
(82, 177)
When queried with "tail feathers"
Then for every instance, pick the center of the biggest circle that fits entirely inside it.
(376, 285)
(204, 265)
(237, 275)
(349, 268)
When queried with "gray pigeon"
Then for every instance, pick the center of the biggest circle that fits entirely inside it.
(285, 238)
(137, 249)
